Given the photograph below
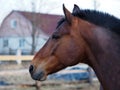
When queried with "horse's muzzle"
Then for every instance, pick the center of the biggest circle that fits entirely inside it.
(37, 75)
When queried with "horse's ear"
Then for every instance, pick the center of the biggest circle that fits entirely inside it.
(76, 9)
(68, 15)
(78, 12)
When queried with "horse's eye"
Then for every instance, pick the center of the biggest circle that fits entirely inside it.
(54, 36)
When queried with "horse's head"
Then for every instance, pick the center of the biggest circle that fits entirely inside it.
(64, 48)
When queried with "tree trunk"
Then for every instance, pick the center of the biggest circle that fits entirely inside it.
(33, 39)
(38, 85)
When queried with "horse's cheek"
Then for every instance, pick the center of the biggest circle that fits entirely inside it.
(72, 54)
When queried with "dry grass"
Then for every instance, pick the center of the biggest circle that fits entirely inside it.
(11, 73)
(51, 86)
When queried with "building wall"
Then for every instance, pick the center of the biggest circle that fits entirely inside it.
(22, 28)
(16, 28)
(24, 44)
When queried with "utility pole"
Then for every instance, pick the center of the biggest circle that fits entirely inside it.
(96, 4)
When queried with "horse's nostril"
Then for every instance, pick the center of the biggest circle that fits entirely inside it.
(31, 68)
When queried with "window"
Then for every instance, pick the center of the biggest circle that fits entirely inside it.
(13, 23)
(5, 43)
(21, 42)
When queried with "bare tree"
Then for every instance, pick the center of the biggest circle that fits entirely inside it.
(35, 31)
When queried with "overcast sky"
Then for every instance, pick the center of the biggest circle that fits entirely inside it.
(55, 6)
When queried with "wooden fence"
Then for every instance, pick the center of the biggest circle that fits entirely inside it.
(15, 57)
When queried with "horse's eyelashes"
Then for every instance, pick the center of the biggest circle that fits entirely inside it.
(55, 36)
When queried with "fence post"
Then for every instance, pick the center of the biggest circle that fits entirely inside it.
(18, 54)
(38, 85)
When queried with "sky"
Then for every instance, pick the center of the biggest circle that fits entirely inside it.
(55, 6)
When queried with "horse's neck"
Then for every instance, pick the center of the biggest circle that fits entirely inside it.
(104, 54)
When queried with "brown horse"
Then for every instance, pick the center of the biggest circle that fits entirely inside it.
(82, 37)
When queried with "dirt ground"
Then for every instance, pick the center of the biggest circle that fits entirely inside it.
(16, 77)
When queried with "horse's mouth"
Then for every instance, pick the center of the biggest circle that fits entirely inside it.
(41, 76)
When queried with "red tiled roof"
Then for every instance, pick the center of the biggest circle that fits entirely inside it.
(46, 22)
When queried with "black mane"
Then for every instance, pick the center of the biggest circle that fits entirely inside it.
(98, 18)
(101, 19)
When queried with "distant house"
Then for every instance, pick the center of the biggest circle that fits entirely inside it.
(16, 31)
